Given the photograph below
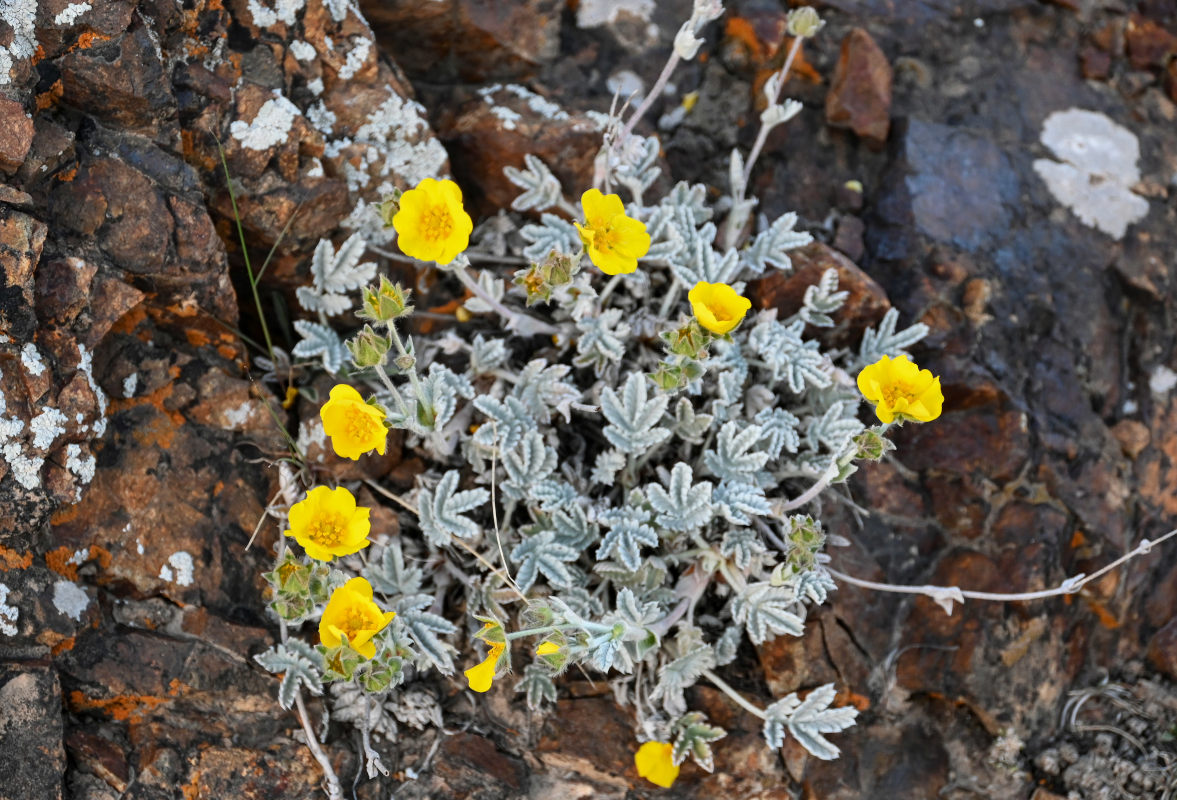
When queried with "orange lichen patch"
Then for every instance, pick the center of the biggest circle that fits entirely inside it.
(742, 31)
(65, 515)
(59, 561)
(38, 54)
(196, 337)
(127, 323)
(49, 97)
(227, 352)
(121, 707)
(65, 645)
(191, 790)
(12, 559)
(1078, 540)
(102, 555)
(849, 698)
(804, 68)
(155, 399)
(88, 40)
(175, 687)
(67, 175)
(1106, 618)
(453, 307)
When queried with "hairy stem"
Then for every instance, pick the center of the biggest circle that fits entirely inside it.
(736, 697)
(522, 324)
(762, 134)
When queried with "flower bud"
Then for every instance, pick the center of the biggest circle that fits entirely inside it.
(804, 22)
(368, 349)
(385, 302)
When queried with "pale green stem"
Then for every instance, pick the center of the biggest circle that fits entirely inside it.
(738, 698)
(418, 394)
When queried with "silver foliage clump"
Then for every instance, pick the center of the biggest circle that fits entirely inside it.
(631, 503)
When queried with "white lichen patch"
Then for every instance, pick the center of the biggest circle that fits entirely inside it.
(130, 384)
(8, 614)
(321, 118)
(70, 599)
(285, 11)
(21, 16)
(302, 51)
(315, 170)
(237, 417)
(81, 466)
(86, 365)
(356, 57)
(69, 15)
(26, 469)
(311, 434)
(46, 427)
(10, 427)
(31, 359)
(315, 86)
(139, 546)
(270, 127)
(179, 569)
(1162, 381)
(508, 116)
(1096, 170)
(595, 13)
(540, 105)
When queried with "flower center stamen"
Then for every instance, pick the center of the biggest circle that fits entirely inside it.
(605, 239)
(436, 223)
(327, 529)
(360, 426)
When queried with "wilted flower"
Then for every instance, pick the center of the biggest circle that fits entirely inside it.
(355, 427)
(899, 388)
(328, 524)
(717, 306)
(655, 763)
(481, 676)
(431, 224)
(351, 616)
(614, 241)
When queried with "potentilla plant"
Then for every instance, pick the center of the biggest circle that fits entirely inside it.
(622, 468)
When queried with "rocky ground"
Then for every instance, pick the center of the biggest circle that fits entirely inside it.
(136, 454)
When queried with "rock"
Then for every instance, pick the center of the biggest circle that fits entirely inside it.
(16, 135)
(604, 758)
(865, 305)
(506, 122)
(1162, 649)
(32, 758)
(471, 40)
(860, 94)
(1133, 436)
(21, 240)
(468, 764)
(1149, 45)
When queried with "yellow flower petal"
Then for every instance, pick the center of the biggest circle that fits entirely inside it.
(655, 763)
(354, 426)
(431, 224)
(547, 648)
(899, 388)
(351, 615)
(328, 524)
(481, 676)
(717, 306)
(614, 241)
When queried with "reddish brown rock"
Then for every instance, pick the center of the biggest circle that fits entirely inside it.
(503, 125)
(475, 39)
(1132, 435)
(864, 307)
(860, 95)
(1162, 649)
(16, 134)
(1096, 64)
(1149, 44)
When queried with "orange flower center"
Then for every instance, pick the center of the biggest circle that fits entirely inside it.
(897, 391)
(605, 237)
(361, 426)
(436, 223)
(327, 529)
(356, 620)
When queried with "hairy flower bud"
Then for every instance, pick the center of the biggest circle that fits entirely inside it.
(368, 349)
(385, 302)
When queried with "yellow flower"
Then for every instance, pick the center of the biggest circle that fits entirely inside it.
(354, 426)
(351, 616)
(547, 648)
(431, 224)
(481, 677)
(899, 388)
(655, 763)
(614, 241)
(717, 306)
(328, 524)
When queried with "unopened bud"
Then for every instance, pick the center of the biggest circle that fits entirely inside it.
(368, 348)
(385, 302)
(804, 22)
